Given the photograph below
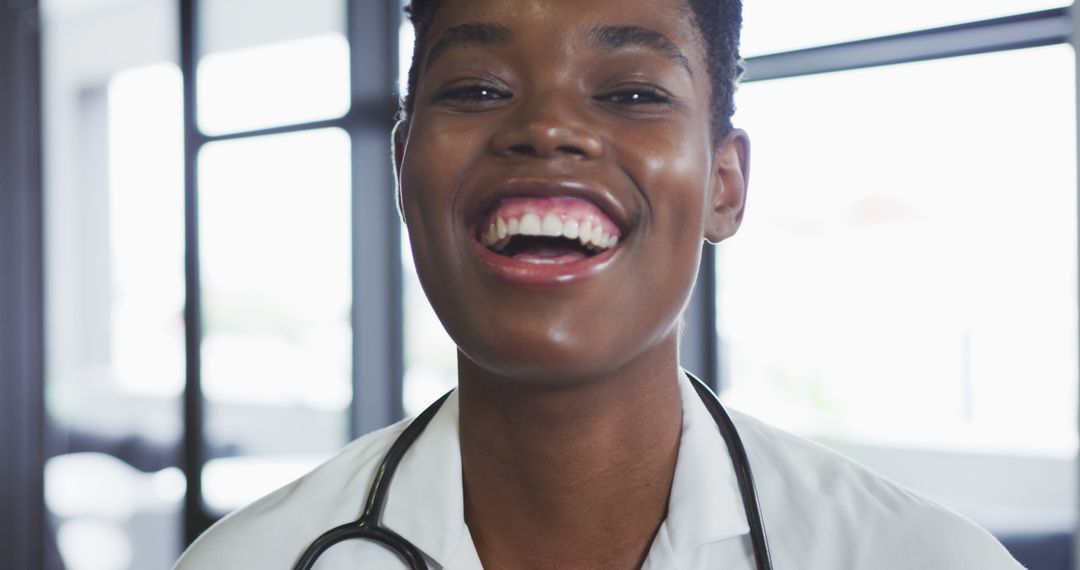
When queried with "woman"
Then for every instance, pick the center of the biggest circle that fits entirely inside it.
(560, 165)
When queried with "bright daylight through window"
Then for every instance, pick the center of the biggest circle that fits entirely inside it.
(907, 269)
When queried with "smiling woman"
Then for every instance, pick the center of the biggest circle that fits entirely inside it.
(561, 166)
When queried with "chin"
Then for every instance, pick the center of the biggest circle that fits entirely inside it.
(541, 360)
(544, 358)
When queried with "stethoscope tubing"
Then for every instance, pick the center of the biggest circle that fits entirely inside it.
(369, 525)
(741, 462)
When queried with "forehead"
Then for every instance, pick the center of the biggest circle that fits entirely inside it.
(566, 24)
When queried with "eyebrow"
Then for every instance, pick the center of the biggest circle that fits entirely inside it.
(609, 37)
(615, 37)
(474, 33)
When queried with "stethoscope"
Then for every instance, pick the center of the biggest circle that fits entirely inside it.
(369, 525)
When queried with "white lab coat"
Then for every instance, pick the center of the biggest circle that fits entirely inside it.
(822, 511)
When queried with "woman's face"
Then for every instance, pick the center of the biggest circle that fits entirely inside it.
(558, 176)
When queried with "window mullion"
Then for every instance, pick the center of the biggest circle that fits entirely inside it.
(196, 519)
(1013, 32)
(377, 298)
(22, 441)
(1074, 38)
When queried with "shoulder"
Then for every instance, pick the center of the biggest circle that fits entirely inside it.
(279, 526)
(825, 510)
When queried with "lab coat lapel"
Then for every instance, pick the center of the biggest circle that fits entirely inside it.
(705, 504)
(425, 503)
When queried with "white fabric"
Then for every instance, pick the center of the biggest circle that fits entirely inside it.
(822, 511)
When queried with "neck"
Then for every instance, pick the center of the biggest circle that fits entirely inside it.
(568, 476)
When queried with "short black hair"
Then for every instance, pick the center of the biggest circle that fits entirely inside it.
(719, 23)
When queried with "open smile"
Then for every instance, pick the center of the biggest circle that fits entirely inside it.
(545, 240)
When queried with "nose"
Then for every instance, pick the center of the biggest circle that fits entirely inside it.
(547, 127)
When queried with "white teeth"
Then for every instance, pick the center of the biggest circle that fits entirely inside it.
(553, 226)
(585, 232)
(570, 229)
(530, 225)
(594, 237)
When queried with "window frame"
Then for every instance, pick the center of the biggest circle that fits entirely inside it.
(23, 528)
(376, 317)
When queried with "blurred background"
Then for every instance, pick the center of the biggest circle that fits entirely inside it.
(205, 290)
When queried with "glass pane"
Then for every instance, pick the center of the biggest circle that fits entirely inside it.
(910, 248)
(406, 43)
(271, 63)
(115, 284)
(275, 247)
(771, 26)
(430, 355)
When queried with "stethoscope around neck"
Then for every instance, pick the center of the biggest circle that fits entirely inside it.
(369, 525)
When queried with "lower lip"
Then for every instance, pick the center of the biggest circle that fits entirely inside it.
(526, 273)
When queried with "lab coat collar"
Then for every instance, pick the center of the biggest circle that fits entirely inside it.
(705, 504)
(425, 504)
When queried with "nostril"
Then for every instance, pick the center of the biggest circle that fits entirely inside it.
(526, 149)
(567, 149)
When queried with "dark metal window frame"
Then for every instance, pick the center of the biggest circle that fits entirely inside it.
(23, 529)
(1034, 29)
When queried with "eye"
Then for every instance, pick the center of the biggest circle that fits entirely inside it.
(475, 93)
(636, 96)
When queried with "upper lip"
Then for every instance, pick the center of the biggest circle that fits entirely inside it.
(543, 187)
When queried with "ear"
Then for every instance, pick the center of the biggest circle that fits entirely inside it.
(727, 194)
(398, 138)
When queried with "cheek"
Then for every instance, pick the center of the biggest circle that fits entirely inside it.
(435, 162)
(424, 195)
(675, 182)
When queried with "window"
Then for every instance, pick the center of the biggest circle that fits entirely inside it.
(276, 290)
(904, 284)
(245, 304)
(285, 66)
(115, 285)
(903, 251)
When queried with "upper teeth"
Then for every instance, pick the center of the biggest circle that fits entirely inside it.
(589, 234)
